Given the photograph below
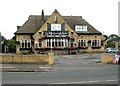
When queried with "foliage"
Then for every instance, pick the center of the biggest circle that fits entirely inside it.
(25, 51)
(12, 45)
(111, 43)
(8, 46)
(112, 36)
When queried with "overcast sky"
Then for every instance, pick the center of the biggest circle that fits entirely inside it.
(101, 14)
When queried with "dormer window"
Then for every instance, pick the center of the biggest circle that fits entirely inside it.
(56, 27)
(80, 28)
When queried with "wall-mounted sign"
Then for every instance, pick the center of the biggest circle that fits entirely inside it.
(56, 33)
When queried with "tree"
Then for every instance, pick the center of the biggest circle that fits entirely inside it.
(109, 42)
(3, 44)
(112, 36)
(12, 45)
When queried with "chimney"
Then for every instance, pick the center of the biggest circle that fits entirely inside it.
(42, 16)
(18, 27)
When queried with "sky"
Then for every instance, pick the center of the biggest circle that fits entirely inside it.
(101, 14)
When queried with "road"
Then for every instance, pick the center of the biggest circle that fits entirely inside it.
(68, 69)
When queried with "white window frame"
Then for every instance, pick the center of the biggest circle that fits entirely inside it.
(56, 27)
(97, 43)
(84, 42)
(59, 42)
(80, 28)
(24, 43)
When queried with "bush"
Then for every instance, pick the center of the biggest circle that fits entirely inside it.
(25, 52)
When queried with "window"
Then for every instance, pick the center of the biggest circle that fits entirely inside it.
(25, 43)
(81, 43)
(22, 44)
(80, 28)
(39, 44)
(53, 43)
(48, 42)
(65, 42)
(57, 42)
(72, 43)
(95, 43)
(62, 43)
(55, 27)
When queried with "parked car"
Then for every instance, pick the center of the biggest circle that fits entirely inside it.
(111, 50)
(117, 58)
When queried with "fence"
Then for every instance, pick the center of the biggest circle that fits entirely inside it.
(32, 58)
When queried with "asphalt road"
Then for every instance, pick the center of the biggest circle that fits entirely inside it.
(68, 69)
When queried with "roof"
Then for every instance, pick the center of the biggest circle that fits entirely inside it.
(78, 20)
(34, 23)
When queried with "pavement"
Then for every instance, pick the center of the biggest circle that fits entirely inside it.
(25, 68)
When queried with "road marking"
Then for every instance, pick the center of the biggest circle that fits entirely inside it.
(85, 82)
(7, 67)
(71, 57)
(45, 67)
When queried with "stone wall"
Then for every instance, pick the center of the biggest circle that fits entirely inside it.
(107, 58)
(32, 58)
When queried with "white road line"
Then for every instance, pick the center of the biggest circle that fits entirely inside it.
(111, 80)
(85, 82)
(71, 57)
(45, 67)
(7, 67)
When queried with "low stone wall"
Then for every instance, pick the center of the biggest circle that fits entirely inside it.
(32, 58)
(107, 58)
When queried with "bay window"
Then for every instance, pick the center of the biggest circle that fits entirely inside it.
(25, 43)
(82, 43)
(95, 43)
(57, 42)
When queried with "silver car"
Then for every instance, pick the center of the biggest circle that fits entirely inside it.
(111, 50)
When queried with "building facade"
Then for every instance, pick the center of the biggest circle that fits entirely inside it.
(58, 34)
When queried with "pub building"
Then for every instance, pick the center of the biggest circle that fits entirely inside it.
(58, 34)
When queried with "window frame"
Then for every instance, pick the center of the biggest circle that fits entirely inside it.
(95, 43)
(39, 43)
(82, 43)
(80, 28)
(25, 44)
